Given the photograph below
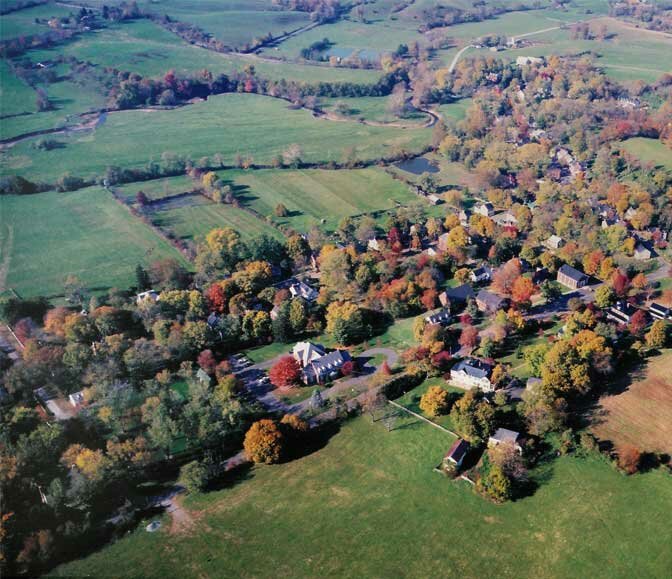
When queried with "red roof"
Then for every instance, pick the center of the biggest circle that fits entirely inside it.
(458, 450)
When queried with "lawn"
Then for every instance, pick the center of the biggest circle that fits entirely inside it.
(226, 124)
(641, 415)
(370, 505)
(398, 336)
(145, 48)
(48, 236)
(315, 196)
(649, 151)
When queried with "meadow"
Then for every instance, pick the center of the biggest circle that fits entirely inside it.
(147, 49)
(317, 197)
(649, 151)
(16, 97)
(641, 414)
(369, 505)
(22, 22)
(226, 124)
(48, 236)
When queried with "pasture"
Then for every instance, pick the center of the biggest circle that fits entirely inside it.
(371, 109)
(16, 97)
(147, 49)
(641, 414)
(315, 195)
(338, 512)
(225, 124)
(23, 22)
(48, 236)
(649, 151)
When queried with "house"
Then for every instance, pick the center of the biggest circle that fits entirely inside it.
(660, 312)
(527, 60)
(440, 318)
(490, 302)
(540, 275)
(456, 295)
(472, 373)
(505, 435)
(554, 242)
(375, 244)
(76, 398)
(464, 216)
(572, 277)
(642, 252)
(443, 242)
(434, 199)
(621, 312)
(485, 209)
(480, 274)
(456, 454)
(305, 353)
(326, 367)
(151, 295)
(303, 290)
(506, 219)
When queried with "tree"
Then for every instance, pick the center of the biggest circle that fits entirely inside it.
(285, 372)
(281, 210)
(504, 278)
(629, 458)
(264, 442)
(141, 278)
(435, 401)
(469, 337)
(345, 322)
(521, 291)
(194, 476)
(495, 484)
(550, 290)
(604, 296)
(656, 337)
(506, 456)
(473, 417)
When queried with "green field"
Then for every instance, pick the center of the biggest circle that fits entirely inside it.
(22, 22)
(192, 218)
(312, 196)
(149, 50)
(48, 236)
(370, 505)
(372, 109)
(226, 124)
(16, 97)
(157, 188)
(649, 151)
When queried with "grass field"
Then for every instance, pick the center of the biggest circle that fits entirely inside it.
(649, 151)
(149, 50)
(315, 195)
(22, 22)
(642, 414)
(16, 97)
(158, 188)
(226, 124)
(47, 236)
(370, 505)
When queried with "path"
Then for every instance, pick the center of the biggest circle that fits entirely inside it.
(462, 50)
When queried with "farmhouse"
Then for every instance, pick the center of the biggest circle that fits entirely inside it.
(434, 199)
(572, 277)
(621, 312)
(440, 318)
(505, 435)
(485, 209)
(490, 302)
(480, 274)
(456, 295)
(375, 244)
(455, 456)
(464, 216)
(472, 373)
(660, 312)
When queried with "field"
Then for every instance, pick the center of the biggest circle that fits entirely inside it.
(315, 195)
(16, 97)
(226, 124)
(22, 22)
(158, 188)
(649, 151)
(149, 50)
(47, 236)
(642, 414)
(369, 505)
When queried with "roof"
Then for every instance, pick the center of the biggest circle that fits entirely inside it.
(660, 309)
(572, 273)
(532, 382)
(303, 290)
(332, 360)
(505, 435)
(492, 301)
(460, 293)
(482, 270)
(307, 352)
(474, 368)
(458, 451)
(439, 317)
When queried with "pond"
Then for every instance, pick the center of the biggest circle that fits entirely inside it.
(418, 166)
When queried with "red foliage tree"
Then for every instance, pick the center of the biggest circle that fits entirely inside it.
(469, 337)
(629, 458)
(206, 360)
(441, 360)
(522, 291)
(141, 199)
(620, 282)
(347, 368)
(504, 278)
(217, 298)
(638, 323)
(428, 299)
(285, 372)
(385, 369)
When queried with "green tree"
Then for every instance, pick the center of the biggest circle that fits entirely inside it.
(194, 476)
(604, 296)
(495, 484)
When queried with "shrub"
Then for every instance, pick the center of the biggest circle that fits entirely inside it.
(629, 458)
(435, 401)
(194, 476)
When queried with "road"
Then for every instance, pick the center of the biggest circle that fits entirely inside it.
(460, 52)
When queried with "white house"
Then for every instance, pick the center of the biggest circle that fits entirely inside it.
(480, 274)
(305, 353)
(554, 242)
(472, 373)
(303, 290)
(76, 398)
(505, 435)
(485, 209)
(151, 295)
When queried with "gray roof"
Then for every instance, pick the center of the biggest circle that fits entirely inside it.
(458, 451)
(439, 317)
(491, 300)
(334, 359)
(460, 293)
(474, 368)
(505, 435)
(572, 273)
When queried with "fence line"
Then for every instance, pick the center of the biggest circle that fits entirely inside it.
(422, 418)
